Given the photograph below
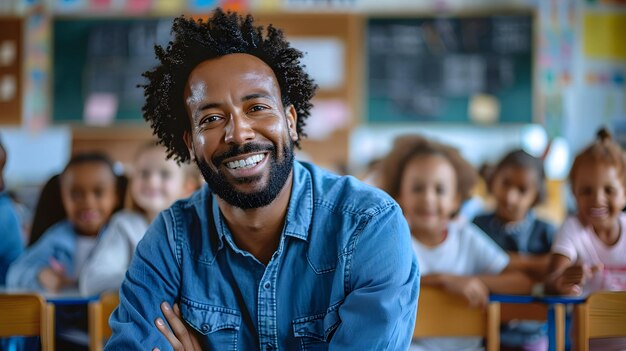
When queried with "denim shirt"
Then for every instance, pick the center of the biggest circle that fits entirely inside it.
(12, 245)
(344, 275)
(58, 242)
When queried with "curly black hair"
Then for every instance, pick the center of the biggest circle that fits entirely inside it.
(195, 41)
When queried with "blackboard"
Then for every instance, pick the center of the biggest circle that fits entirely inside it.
(428, 68)
(103, 56)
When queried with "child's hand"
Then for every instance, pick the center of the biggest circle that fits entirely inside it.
(471, 288)
(53, 277)
(50, 280)
(573, 278)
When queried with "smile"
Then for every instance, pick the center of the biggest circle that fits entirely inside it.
(598, 212)
(248, 162)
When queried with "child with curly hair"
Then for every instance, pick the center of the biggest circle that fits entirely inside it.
(430, 180)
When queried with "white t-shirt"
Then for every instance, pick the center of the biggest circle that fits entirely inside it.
(466, 251)
(107, 266)
(84, 246)
(582, 246)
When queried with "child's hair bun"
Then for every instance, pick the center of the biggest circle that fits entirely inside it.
(603, 135)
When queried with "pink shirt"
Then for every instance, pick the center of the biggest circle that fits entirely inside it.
(581, 245)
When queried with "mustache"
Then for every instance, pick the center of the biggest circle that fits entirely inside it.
(237, 150)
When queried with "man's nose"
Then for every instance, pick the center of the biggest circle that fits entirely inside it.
(238, 129)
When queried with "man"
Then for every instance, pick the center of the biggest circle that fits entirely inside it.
(274, 253)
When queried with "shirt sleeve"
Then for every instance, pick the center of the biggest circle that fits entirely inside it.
(153, 277)
(107, 265)
(24, 272)
(383, 283)
(489, 258)
(564, 240)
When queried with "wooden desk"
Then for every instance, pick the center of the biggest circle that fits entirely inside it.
(65, 297)
(556, 313)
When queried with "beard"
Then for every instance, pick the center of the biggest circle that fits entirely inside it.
(279, 172)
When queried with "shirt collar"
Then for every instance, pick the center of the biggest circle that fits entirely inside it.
(300, 208)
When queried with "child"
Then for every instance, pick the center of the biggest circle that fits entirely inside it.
(89, 196)
(589, 250)
(88, 193)
(430, 180)
(518, 184)
(155, 184)
(11, 245)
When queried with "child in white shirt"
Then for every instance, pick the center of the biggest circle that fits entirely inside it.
(155, 184)
(430, 180)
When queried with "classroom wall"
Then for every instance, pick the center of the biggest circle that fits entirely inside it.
(578, 82)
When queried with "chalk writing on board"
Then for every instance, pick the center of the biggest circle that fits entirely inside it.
(428, 69)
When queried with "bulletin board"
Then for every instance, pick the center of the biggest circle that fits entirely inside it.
(11, 46)
(428, 68)
(97, 65)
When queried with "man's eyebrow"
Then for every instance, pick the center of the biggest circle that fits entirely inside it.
(205, 106)
(256, 96)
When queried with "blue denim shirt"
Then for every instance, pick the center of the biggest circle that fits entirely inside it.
(11, 246)
(344, 276)
(58, 242)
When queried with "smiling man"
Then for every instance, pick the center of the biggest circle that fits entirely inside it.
(273, 253)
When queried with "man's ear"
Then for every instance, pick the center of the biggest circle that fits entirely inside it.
(189, 142)
(292, 119)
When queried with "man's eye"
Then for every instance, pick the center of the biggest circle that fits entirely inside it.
(257, 108)
(209, 119)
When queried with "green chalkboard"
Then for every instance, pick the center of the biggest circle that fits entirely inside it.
(102, 60)
(428, 68)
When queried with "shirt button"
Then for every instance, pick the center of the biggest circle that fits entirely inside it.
(267, 285)
(205, 328)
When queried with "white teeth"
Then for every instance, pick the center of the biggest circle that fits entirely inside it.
(598, 211)
(246, 163)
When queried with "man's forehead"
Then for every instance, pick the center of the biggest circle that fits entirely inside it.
(230, 70)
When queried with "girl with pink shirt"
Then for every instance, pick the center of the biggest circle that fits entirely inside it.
(589, 251)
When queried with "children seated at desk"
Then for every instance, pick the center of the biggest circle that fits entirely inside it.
(589, 251)
(517, 184)
(155, 184)
(54, 262)
(430, 180)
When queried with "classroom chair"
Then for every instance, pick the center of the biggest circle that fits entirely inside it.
(27, 314)
(99, 313)
(442, 314)
(602, 315)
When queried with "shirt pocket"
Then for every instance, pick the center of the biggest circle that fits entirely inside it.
(219, 325)
(314, 332)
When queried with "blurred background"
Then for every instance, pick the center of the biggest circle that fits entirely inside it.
(486, 76)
